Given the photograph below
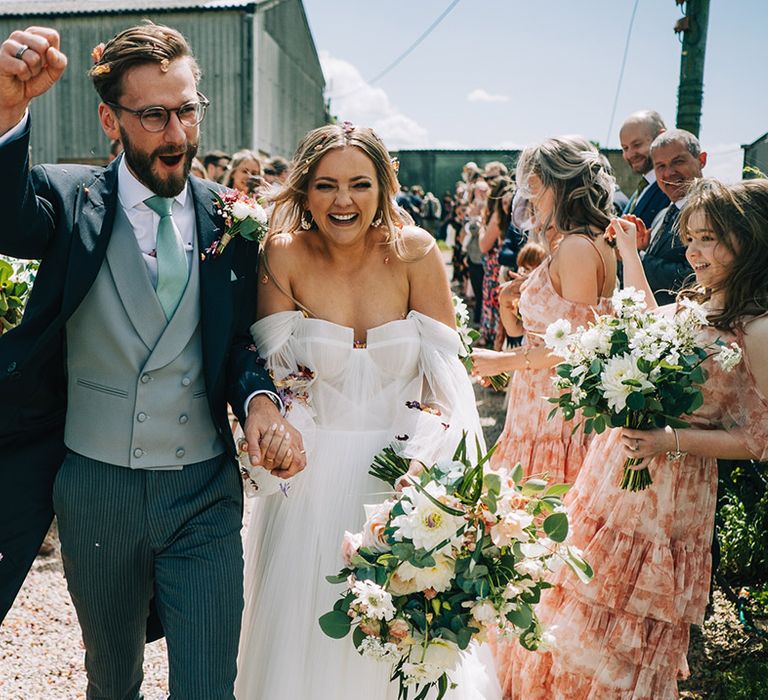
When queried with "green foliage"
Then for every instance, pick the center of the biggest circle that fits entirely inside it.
(14, 290)
(745, 680)
(742, 522)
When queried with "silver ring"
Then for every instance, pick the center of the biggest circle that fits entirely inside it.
(637, 446)
(20, 51)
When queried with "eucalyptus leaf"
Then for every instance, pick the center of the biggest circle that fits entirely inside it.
(335, 624)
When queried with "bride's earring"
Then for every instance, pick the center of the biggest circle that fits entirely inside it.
(306, 220)
(379, 218)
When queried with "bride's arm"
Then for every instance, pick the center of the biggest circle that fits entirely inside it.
(275, 265)
(429, 289)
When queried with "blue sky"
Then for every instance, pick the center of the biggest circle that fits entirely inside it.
(504, 73)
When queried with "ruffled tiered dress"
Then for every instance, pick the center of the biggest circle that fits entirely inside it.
(357, 405)
(538, 444)
(624, 635)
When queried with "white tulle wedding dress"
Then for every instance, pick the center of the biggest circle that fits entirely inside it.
(356, 407)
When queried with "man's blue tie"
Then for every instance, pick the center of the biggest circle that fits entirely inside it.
(172, 269)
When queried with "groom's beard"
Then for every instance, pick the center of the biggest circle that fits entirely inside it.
(141, 164)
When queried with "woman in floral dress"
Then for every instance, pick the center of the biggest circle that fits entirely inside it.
(624, 635)
(497, 215)
(572, 194)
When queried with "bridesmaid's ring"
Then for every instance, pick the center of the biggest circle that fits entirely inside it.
(637, 446)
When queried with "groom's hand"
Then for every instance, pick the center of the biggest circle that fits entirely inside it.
(272, 442)
(30, 63)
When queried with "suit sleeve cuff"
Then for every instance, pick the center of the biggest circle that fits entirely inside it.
(16, 132)
(272, 395)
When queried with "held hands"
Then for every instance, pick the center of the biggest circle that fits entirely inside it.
(271, 441)
(27, 72)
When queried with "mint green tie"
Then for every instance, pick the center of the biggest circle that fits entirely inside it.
(172, 269)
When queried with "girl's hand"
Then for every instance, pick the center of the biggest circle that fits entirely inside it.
(644, 444)
(487, 363)
(624, 233)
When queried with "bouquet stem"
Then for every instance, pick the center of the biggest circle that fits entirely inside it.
(226, 238)
(635, 479)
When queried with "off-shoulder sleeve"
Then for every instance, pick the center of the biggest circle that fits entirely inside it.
(446, 388)
(745, 410)
(271, 335)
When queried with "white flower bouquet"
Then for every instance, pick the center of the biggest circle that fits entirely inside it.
(469, 335)
(456, 552)
(636, 369)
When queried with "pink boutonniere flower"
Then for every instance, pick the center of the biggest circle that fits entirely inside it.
(243, 216)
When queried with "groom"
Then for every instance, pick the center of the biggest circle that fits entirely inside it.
(115, 386)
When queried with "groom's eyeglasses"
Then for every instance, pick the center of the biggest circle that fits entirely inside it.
(155, 119)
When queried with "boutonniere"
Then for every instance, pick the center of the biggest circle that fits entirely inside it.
(243, 216)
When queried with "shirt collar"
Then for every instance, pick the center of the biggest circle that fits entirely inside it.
(650, 176)
(131, 192)
(680, 203)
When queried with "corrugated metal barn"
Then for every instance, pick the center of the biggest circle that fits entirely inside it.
(259, 63)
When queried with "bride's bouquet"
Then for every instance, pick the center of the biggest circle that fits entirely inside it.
(636, 369)
(455, 552)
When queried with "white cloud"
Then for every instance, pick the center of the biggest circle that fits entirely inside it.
(480, 95)
(353, 99)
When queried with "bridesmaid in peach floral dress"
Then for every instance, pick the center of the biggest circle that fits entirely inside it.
(571, 190)
(625, 634)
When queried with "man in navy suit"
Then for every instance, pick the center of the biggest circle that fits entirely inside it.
(636, 134)
(116, 382)
(677, 161)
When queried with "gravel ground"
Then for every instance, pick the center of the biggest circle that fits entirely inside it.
(41, 652)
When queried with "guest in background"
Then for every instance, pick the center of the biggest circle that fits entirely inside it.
(216, 164)
(198, 169)
(677, 160)
(636, 135)
(115, 149)
(496, 221)
(244, 172)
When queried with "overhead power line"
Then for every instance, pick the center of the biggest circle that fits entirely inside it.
(405, 53)
(621, 73)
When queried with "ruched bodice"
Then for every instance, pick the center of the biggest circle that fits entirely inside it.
(354, 388)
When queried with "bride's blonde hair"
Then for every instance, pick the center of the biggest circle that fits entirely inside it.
(291, 200)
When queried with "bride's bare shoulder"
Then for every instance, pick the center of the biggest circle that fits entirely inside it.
(415, 243)
(284, 248)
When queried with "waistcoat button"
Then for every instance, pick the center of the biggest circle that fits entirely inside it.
(180, 452)
(141, 417)
(183, 418)
(145, 378)
(138, 452)
(186, 381)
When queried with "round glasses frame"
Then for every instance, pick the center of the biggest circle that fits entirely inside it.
(155, 118)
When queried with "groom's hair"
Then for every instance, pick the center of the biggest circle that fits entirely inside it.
(135, 46)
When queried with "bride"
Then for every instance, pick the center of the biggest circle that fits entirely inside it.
(358, 296)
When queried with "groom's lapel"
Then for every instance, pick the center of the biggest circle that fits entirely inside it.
(94, 215)
(215, 282)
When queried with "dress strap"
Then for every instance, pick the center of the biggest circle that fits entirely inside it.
(307, 313)
(599, 255)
